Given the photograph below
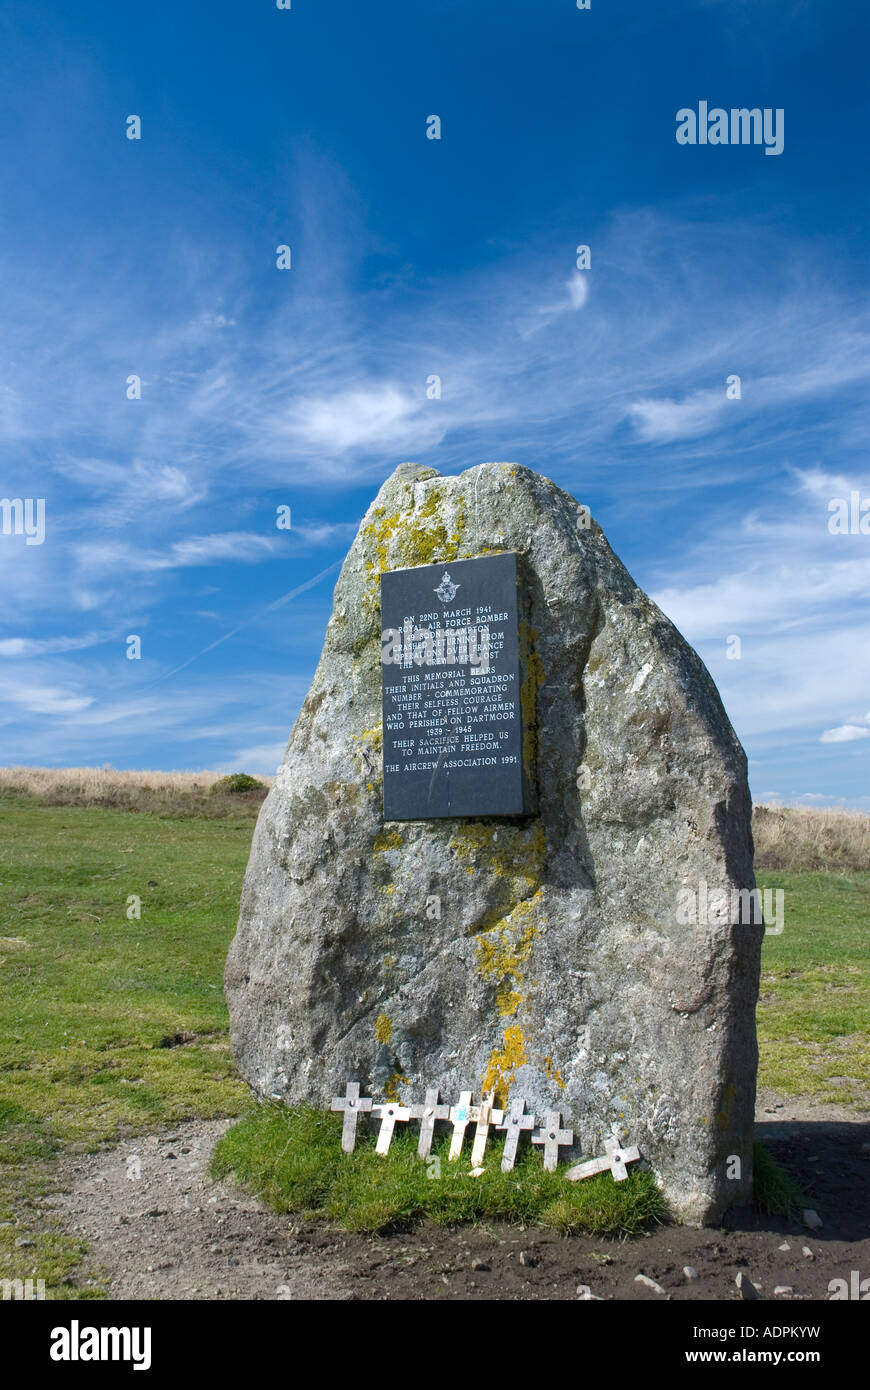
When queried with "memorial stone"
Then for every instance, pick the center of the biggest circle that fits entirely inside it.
(462, 927)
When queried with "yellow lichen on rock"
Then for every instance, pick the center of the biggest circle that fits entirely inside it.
(373, 737)
(505, 948)
(386, 840)
(383, 1028)
(552, 1073)
(477, 843)
(378, 534)
(510, 853)
(391, 1089)
(503, 1064)
(405, 540)
(514, 856)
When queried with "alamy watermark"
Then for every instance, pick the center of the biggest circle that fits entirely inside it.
(22, 1290)
(735, 907)
(457, 643)
(856, 1288)
(77, 1343)
(23, 517)
(742, 125)
(849, 516)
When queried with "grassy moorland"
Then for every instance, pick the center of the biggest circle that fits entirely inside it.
(93, 1004)
(814, 1009)
(114, 1024)
(179, 795)
(814, 1006)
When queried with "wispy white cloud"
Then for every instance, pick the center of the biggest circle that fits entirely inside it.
(797, 597)
(326, 533)
(377, 415)
(261, 760)
(575, 293)
(48, 646)
(45, 699)
(236, 547)
(701, 412)
(130, 487)
(846, 733)
(64, 711)
(664, 420)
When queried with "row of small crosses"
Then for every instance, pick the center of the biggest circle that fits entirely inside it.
(551, 1135)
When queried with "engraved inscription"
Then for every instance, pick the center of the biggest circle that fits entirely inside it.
(451, 690)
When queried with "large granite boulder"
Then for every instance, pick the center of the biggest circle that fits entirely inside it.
(558, 956)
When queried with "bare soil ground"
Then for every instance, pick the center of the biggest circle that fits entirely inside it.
(171, 1233)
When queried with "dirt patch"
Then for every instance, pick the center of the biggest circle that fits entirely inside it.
(158, 1227)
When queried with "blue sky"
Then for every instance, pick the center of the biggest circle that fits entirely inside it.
(414, 257)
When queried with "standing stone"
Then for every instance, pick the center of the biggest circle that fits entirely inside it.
(566, 964)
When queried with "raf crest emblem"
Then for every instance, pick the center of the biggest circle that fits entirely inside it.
(447, 590)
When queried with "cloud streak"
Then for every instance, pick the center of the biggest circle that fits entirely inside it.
(613, 384)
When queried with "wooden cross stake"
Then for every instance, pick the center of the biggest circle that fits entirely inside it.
(352, 1105)
(460, 1116)
(515, 1123)
(552, 1138)
(615, 1159)
(427, 1114)
(388, 1114)
(486, 1115)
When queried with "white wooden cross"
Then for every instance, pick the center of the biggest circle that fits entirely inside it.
(427, 1114)
(516, 1121)
(486, 1115)
(352, 1105)
(459, 1117)
(615, 1159)
(388, 1114)
(552, 1137)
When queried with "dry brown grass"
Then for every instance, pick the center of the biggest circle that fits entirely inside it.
(791, 838)
(167, 793)
(799, 839)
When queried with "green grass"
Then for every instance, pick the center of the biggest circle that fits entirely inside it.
(236, 784)
(775, 1191)
(88, 997)
(292, 1160)
(814, 1012)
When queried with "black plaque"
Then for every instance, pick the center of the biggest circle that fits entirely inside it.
(451, 674)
